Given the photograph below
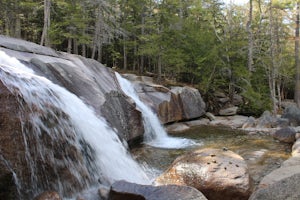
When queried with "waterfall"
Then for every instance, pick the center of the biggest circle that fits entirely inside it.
(68, 119)
(155, 134)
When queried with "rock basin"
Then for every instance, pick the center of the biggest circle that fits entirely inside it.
(261, 152)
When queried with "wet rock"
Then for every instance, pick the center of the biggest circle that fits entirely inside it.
(218, 174)
(285, 135)
(123, 190)
(104, 192)
(177, 104)
(129, 124)
(87, 79)
(50, 161)
(228, 111)
(49, 195)
(94, 83)
(286, 188)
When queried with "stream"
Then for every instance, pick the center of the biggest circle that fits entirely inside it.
(262, 153)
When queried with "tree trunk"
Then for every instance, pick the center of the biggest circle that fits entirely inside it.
(124, 54)
(45, 37)
(159, 67)
(134, 55)
(17, 33)
(75, 46)
(83, 50)
(142, 33)
(99, 59)
(69, 49)
(273, 67)
(250, 38)
(297, 63)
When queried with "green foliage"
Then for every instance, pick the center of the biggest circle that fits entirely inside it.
(255, 102)
(201, 42)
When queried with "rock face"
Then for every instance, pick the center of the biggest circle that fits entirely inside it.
(21, 152)
(179, 103)
(49, 147)
(123, 190)
(25, 147)
(86, 78)
(286, 188)
(218, 174)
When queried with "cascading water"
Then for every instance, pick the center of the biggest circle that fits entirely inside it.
(155, 134)
(60, 115)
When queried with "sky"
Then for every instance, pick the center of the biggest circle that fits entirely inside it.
(238, 2)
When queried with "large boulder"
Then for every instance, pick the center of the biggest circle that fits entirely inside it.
(192, 103)
(217, 173)
(266, 120)
(123, 190)
(94, 83)
(292, 113)
(171, 105)
(39, 156)
(39, 145)
(285, 135)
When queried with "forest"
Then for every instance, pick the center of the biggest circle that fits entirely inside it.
(250, 49)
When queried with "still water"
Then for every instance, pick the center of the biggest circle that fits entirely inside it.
(261, 152)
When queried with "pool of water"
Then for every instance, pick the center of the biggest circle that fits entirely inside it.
(261, 152)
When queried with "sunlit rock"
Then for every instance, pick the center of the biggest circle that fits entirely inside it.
(296, 149)
(278, 175)
(285, 188)
(217, 173)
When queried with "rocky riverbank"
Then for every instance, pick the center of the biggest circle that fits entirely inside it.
(282, 182)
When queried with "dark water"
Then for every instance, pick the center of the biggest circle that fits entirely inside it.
(261, 152)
